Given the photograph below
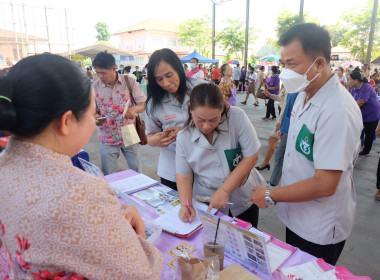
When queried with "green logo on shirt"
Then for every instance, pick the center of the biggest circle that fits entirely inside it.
(233, 156)
(305, 142)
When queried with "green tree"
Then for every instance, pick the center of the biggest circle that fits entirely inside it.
(270, 47)
(232, 38)
(358, 22)
(103, 33)
(286, 20)
(197, 34)
(337, 32)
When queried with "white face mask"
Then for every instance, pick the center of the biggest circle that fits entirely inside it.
(294, 82)
(192, 65)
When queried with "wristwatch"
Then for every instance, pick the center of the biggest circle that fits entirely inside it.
(268, 200)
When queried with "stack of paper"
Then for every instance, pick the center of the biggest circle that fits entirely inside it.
(133, 184)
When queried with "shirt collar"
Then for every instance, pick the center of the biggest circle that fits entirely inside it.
(322, 95)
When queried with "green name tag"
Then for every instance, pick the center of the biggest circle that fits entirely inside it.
(305, 142)
(234, 156)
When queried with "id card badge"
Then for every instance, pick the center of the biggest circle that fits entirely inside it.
(305, 143)
(233, 156)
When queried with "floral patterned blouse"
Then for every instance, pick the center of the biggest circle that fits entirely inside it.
(58, 222)
(225, 88)
(110, 103)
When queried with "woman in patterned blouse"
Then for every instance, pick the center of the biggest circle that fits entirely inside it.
(56, 221)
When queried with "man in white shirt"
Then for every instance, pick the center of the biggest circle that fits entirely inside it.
(252, 77)
(236, 75)
(317, 200)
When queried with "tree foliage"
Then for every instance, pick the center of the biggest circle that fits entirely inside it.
(358, 22)
(103, 33)
(337, 32)
(270, 47)
(232, 38)
(286, 20)
(197, 34)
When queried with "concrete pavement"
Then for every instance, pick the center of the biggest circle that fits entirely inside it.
(361, 254)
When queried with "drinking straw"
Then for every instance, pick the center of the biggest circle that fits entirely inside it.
(216, 234)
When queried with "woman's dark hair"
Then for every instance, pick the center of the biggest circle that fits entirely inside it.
(42, 88)
(207, 94)
(356, 75)
(315, 40)
(223, 69)
(262, 68)
(104, 60)
(155, 92)
(274, 69)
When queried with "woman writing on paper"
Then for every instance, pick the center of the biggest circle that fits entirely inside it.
(216, 155)
(167, 108)
(55, 219)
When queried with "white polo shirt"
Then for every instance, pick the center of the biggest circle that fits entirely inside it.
(208, 161)
(170, 113)
(333, 119)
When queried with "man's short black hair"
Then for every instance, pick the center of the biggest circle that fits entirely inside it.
(104, 60)
(315, 40)
(127, 69)
(196, 59)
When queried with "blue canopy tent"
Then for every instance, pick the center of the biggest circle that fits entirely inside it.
(201, 59)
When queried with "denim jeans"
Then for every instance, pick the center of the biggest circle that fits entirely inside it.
(278, 161)
(110, 153)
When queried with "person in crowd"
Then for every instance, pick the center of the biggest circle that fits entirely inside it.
(273, 86)
(195, 72)
(316, 200)
(366, 71)
(252, 77)
(127, 72)
(227, 85)
(377, 195)
(273, 137)
(342, 76)
(282, 134)
(236, 75)
(215, 74)
(204, 71)
(186, 68)
(120, 70)
(59, 221)
(216, 152)
(138, 74)
(367, 100)
(112, 95)
(167, 108)
(243, 74)
(261, 82)
(90, 73)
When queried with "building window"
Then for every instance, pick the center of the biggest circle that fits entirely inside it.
(156, 41)
(172, 42)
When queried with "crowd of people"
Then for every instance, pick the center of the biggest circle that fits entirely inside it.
(60, 220)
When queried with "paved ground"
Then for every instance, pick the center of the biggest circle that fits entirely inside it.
(362, 251)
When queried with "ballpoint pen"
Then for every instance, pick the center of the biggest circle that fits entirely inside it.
(188, 207)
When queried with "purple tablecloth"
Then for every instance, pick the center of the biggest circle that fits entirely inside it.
(168, 241)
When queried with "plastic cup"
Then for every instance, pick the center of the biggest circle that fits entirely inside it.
(210, 248)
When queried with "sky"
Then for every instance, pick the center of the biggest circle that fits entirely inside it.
(120, 14)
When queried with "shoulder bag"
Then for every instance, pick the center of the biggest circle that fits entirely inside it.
(140, 124)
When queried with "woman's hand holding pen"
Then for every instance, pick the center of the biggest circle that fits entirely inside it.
(186, 213)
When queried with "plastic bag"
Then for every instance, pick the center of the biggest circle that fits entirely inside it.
(196, 267)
